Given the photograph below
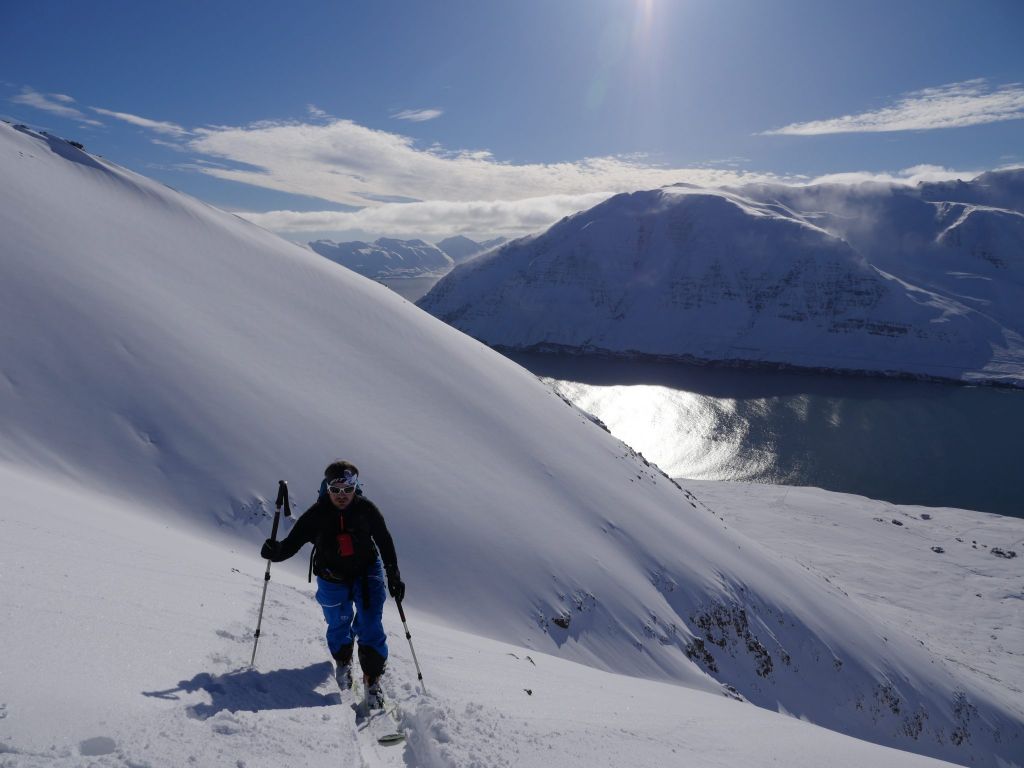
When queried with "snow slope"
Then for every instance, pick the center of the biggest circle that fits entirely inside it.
(155, 671)
(386, 257)
(868, 278)
(927, 563)
(177, 360)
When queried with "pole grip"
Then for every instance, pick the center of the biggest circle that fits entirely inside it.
(287, 501)
(282, 500)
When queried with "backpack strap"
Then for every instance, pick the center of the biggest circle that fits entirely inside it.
(312, 554)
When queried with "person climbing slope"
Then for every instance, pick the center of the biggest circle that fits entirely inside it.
(352, 552)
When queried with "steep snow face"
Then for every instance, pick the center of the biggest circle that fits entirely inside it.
(815, 277)
(182, 360)
(386, 257)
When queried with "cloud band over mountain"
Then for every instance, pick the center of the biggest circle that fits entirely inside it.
(401, 187)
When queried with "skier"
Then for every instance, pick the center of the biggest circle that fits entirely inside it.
(350, 540)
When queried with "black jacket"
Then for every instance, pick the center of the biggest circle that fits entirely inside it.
(323, 524)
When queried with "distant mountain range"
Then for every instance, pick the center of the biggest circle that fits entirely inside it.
(925, 281)
(393, 258)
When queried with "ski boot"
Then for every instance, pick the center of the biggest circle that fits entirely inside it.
(343, 674)
(374, 694)
(343, 671)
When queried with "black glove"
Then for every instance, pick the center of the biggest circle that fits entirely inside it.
(270, 550)
(396, 587)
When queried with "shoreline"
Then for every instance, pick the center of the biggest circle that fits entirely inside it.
(551, 349)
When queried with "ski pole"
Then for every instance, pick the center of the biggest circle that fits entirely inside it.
(408, 636)
(282, 499)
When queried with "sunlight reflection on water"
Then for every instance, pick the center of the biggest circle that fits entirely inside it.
(686, 434)
(908, 442)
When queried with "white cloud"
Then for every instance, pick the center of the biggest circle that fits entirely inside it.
(435, 219)
(956, 105)
(418, 115)
(467, 191)
(350, 164)
(513, 218)
(917, 174)
(169, 144)
(168, 129)
(54, 103)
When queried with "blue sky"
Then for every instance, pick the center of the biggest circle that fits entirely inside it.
(357, 119)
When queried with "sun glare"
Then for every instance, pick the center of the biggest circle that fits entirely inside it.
(644, 16)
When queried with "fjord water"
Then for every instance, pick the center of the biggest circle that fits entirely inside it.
(908, 442)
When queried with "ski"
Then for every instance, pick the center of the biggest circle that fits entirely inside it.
(382, 724)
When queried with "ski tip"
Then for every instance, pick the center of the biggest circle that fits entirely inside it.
(391, 739)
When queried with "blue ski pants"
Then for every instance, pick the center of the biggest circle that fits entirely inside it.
(348, 615)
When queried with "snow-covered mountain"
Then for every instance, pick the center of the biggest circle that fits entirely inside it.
(963, 240)
(163, 364)
(386, 257)
(868, 277)
(462, 249)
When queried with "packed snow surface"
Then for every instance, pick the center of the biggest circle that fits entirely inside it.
(165, 363)
(869, 278)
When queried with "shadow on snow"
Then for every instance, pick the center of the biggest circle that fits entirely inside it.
(249, 690)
